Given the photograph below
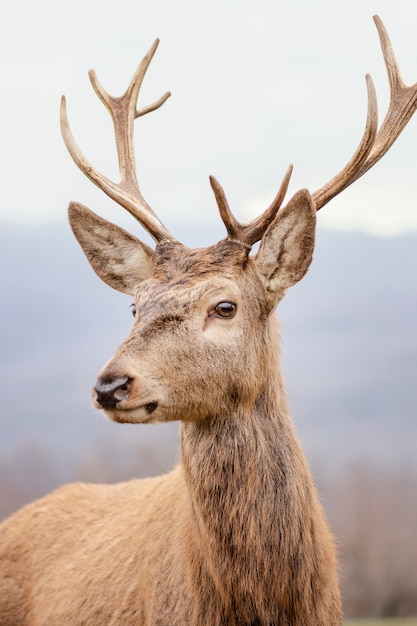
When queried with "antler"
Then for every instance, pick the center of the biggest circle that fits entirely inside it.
(249, 234)
(374, 144)
(123, 112)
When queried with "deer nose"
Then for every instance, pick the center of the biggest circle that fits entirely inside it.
(110, 390)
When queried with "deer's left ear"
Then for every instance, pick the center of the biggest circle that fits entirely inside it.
(287, 247)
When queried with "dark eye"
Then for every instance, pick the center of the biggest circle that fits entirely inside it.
(133, 309)
(225, 309)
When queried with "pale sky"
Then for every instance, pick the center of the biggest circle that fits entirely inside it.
(256, 84)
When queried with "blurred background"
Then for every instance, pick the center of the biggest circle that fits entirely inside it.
(256, 84)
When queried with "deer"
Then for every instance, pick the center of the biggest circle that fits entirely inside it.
(235, 534)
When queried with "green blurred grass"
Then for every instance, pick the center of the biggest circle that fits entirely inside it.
(412, 621)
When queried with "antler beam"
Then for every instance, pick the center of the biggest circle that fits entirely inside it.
(375, 143)
(123, 111)
(372, 147)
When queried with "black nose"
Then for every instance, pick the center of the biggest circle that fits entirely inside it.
(109, 391)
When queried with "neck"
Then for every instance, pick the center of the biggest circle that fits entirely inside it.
(256, 521)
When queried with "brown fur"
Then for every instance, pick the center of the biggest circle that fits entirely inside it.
(235, 534)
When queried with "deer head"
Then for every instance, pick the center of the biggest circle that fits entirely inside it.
(200, 344)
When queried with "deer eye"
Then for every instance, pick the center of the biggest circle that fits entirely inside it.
(133, 309)
(225, 309)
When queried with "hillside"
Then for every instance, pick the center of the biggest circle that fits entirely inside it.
(349, 344)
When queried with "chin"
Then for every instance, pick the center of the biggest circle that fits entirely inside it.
(138, 415)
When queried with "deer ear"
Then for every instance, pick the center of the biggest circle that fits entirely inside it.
(287, 247)
(116, 256)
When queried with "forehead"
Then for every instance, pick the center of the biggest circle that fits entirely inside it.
(176, 263)
(153, 295)
(183, 276)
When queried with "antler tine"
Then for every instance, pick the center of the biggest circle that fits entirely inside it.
(248, 234)
(123, 111)
(375, 143)
(403, 101)
(351, 171)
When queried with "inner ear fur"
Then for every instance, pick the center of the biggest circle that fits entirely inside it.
(116, 256)
(286, 250)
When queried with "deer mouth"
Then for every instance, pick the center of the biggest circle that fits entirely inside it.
(140, 414)
(126, 399)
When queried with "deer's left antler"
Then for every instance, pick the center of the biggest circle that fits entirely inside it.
(372, 147)
(375, 143)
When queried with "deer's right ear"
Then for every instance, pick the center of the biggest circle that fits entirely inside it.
(116, 256)
(287, 247)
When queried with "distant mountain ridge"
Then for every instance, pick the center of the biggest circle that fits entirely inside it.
(349, 349)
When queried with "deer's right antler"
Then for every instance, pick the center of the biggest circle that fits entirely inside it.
(123, 112)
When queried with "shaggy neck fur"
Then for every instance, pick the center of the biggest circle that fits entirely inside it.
(258, 529)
